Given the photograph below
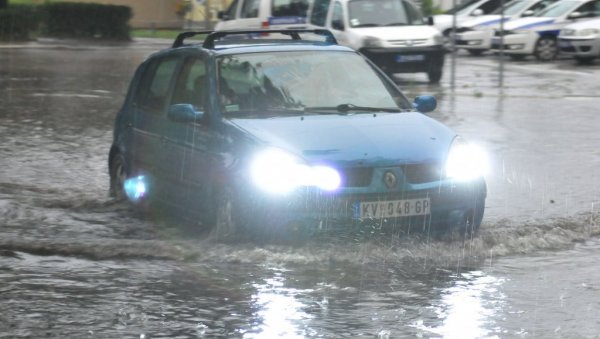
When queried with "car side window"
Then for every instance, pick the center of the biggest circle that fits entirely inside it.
(337, 17)
(590, 9)
(413, 14)
(250, 9)
(289, 8)
(191, 85)
(155, 82)
(319, 12)
(490, 6)
(231, 11)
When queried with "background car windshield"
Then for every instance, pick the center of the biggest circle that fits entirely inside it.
(284, 81)
(512, 8)
(369, 13)
(558, 9)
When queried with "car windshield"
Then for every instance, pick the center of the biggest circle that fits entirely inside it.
(272, 84)
(558, 9)
(513, 8)
(462, 7)
(371, 13)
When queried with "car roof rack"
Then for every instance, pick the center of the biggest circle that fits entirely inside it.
(209, 41)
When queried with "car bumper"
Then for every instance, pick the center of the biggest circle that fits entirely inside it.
(318, 211)
(515, 43)
(579, 47)
(474, 40)
(406, 60)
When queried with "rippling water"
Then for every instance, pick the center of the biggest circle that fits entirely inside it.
(75, 264)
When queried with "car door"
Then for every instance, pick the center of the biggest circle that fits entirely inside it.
(186, 165)
(148, 128)
(242, 14)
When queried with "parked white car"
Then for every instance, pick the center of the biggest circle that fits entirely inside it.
(538, 35)
(476, 35)
(391, 33)
(464, 12)
(263, 14)
(581, 40)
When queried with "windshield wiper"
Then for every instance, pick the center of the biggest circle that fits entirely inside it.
(366, 25)
(345, 108)
(396, 24)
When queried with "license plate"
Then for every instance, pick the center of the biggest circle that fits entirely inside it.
(394, 208)
(410, 58)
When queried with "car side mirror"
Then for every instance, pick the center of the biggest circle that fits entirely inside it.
(430, 21)
(222, 15)
(575, 15)
(337, 24)
(184, 113)
(477, 12)
(425, 103)
(528, 13)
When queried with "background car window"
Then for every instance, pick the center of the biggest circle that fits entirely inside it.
(490, 6)
(319, 12)
(155, 84)
(589, 10)
(558, 9)
(337, 17)
(414, 15)
(231, 11)
(289, 8)
(366, 13)
(190, 87)
(250, 9)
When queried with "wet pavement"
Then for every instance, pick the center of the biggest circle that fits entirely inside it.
(75, 264)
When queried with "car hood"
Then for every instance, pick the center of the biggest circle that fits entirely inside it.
(360, 139)
(398, 32)
(528, 23)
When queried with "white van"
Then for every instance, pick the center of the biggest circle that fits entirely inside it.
(263, 14)
(391, 33)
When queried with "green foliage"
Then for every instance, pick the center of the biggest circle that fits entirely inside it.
(18, 21)
(429, 9)
(86, 20)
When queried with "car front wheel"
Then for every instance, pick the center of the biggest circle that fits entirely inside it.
(546, 49)
(118, 175)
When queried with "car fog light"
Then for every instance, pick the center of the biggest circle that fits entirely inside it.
(475, 42)
(135, 188)
(516, 46)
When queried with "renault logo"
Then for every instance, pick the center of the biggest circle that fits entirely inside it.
(389, 179)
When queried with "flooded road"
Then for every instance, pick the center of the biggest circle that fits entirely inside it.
(75, 264)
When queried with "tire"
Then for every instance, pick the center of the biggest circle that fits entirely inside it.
(476, 52)
(226, 225)
(546, 49)
(118, 174)
(434, 76)
(517, 57)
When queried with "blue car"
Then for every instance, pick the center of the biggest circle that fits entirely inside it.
(288, 133)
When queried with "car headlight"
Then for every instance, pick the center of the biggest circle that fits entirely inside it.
(371, 41)
(465, 161)
(277, 171)
(588, 31)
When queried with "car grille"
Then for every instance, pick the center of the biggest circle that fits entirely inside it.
(413, 42)
(422, 173)
(414, 174)
(357, 177)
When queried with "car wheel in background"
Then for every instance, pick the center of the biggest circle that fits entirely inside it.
(476, 52)
(517, 57)
(434, 76)
(546, 49)
(118, 174)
